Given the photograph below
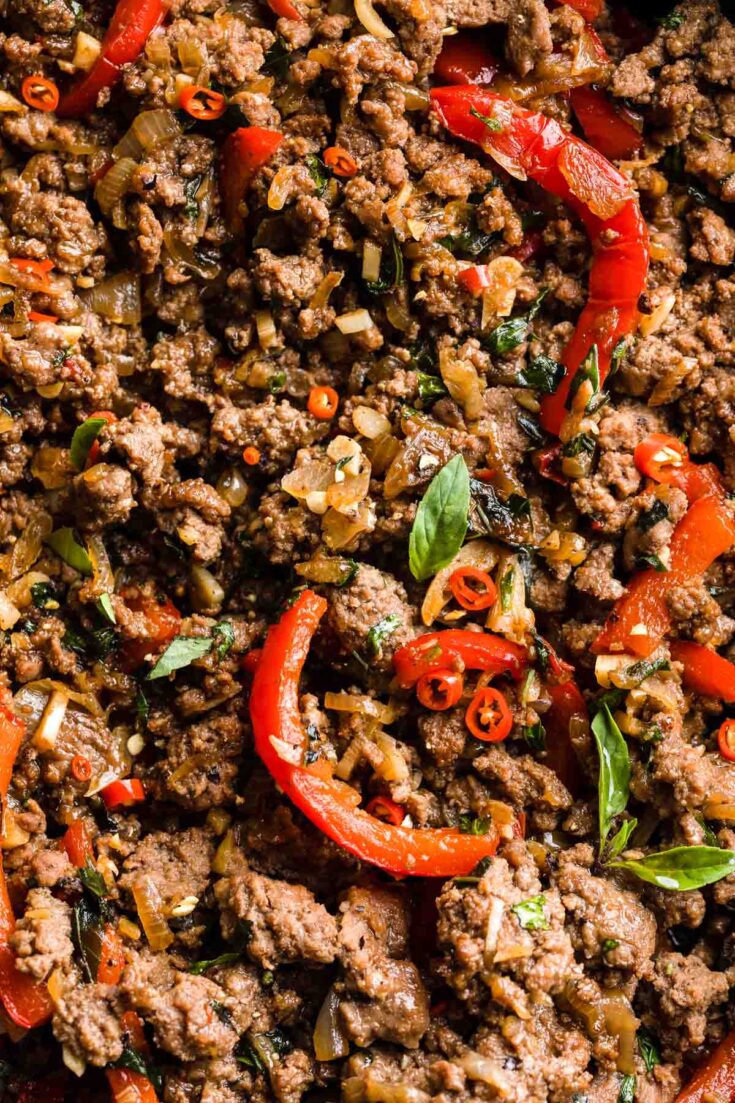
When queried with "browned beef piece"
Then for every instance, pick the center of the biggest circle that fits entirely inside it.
(686, 990)
(178, 864)
(285, 921)
(41, 940)
(102, 496)
(523, 780)
(373, 601)
(387, 997)
(87, 1021)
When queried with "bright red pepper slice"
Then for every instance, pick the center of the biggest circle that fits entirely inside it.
(488, 716)
(604, 124)
(588, 9)
(538, 147)
(567, 703)
(129, 1086)
(123, 793)
(163, 620)
(25, 1000)
(465, 59)
(127, 34)
(383, 808)
(475, 279)
(716, 1078)
(656, 457)
(78, 845)
(440, 690)
(640, 619)
(284, 9)
(726, 740)
(705, 671)
(461, 649)
(112, 957)
(244, 153)
(330, 805)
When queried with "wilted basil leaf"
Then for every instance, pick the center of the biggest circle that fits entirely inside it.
(84, 437)
(64, 542)
(614, 778)
(440, 525)
(682, 867)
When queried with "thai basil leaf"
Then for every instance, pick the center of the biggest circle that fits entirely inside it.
(431, 387)
(617, 356)
(543, 373)
(530, 913)
(441, 520)
(86, 933)
(619, 841)
(507, 336)
(644, 668)
(67, 547)
(682, 867)
(380, 632)
(672, 21)
(474, 825)
(223, 638)
(491, 124)
(489, 516)
(531, 428)
(506, 589)
(104, 604)
(656, 512)
(579, 444)
(93, 881)
(131, 1059)
(588, 371)
(614, 779)
(391, 273)
(44, 595)
(180, 653)
(535, 736)
(627, 1089)
(651, 560)
(200, 967)
(318, 173)
(84, 437)
(470, 242)
(277, 59)
(648, 1049)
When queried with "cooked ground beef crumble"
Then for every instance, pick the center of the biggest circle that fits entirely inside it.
(221, 385)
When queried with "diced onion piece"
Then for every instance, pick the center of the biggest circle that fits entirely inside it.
(27, 548)
(183, 254)
(309, 477)
(355, 321)
(10, 105)
(114, 184)
(362, 705)
(320, 298)
(487, 1071)
(86, 51)
(344, 496)
(19, 591)
(371, 21)
(52, 390)
(463, 382)
(150, 912)
(330, 1041)
(192, 55)
(717, 808)
(416, 99)
(394, 766)
(224, 853)
(382, 1091)
(52, 466)
(503, 275)
(370, 423)
(149, 130)
(564, 547)
(477, 553)
(232, 486)
(492, 930)
(340, 531)
(371, 257)
(9, 614)
(12, 835)
(102, 574)
(207, 593)
(266, 328)
(650, 323)
(516, 620)
(280, 189)
(117, 299)
(48, 730)
(350, 758)
(6, 422)
(78, 1066)
(157, 50)
(325, 568)
(55, 986)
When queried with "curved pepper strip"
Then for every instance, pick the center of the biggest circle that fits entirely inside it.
(24, 1000)
(604, 124)
(244, 153)
(458, 649)
(129, 1086)
(329, 804)
(716, 1078)
(126, 36)
(567, 703)
(696, 480)
(705, 671)
(529, 144)
(641, 619)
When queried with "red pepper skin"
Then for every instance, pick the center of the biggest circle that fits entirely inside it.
(474, 279)
(330, 805)
(696, 480)
(716, 1078)
(123, 793)
(465, 59)
(458, 648)
(604, 125)
(566, 703)
(588, 9)
(128, 1086)
(163, 623)
(284, 9)
(127, 34)
(244, 153)
(546, 153)
(78, 845)
(705, 531)
(705, 671)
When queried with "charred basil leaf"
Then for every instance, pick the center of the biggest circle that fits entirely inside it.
(543, 373)
(535, 736)
(93, 881)
(318, 172)
(277, 59)
(531, 428)
(489, 516)
(682, 867)
(43, 595)
(86, 933)
(476, 875)
(470, 242)
(440, 525)
(652, 560)
(644, 668)
(578, 445)
(66, 545)
(614, 778)
(223, 638)
(656, 512)
(507, 336)
(530, 913)
(84, 437)
(619, 841)
(131, 1059)
(474, 825)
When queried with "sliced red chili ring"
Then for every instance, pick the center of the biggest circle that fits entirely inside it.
(481, 595)
(81, 768)
(385, 809)
(726, 740)
(202, 103)
(488, 716)
(440, 689)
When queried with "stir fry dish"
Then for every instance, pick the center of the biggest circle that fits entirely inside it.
(367, 551)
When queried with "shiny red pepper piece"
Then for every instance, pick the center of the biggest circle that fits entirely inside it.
(716, 1078)
(460, 649)
(641, 619)
(605, 125)
(567, 703)
(588, 9)
(284, 9)
(539, 148)
(244, 153)
(665, 459)
(704, 671)
(129, 1086)
(126, 36)
(465, 59)
(329, 804)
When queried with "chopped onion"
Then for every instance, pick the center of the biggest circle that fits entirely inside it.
(516, 620)
(362, 705)
(477, 553)
(183, 254)
(650, 323)
(78, 1066)
(150, 912)
(192, 57)
(225, 852)
(371, 21)
(344, 496)
(281, 186)
(114, 184)
(117, 299)
(503, 275)
(495, 915)
(479, 1067)
(717, 808)
(320, 298)
(325, 568)
(370, 423)
(9, 614)
(52, 466)
(355, 321)
(371, 257)
(232, 487)
(313, 476)
(463, 382)
(48, 730)
(27, 548)
(102, 573)
(340, 532)
(157, 50)
(266, 328)
(205, 589)
(394, 766)
(10, 105)
(416, 99)
(12, 835)
(87, 49)
(149, 130)
(330, 1041)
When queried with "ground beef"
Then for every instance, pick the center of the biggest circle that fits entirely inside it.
(41, 940)
(686, 989)
(374, 602)
(87, 1021)
(177, 864)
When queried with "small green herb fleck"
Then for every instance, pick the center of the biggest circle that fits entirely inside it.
(656, 512)
(105, 606)
(627, 1089)
(474, 825)
(609, 944)
(491, 124)
(66, 545)
(431, 387)
(535, 736)
(650, 560)
(318, 173)
(530, 913)
(223, 636)
(648, 1049)
(381, 632)
(200, 967)
(506, 589)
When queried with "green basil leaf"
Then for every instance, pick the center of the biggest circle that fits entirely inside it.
(502, 520)
(470, 242)
(318, 173)
(672, 21)
(131, 1059)
(441, 521)
(588, 371)
(278, 59)
(86, 933)
(391, 271)
(609, 944)
(67, 547)
(44, 595)
(578, 445)
(474, 825)
(648, 1049)
(507, 336)
(619, 841)
(84, 437)
(535, 736)
(651, 560)
(104, 604)
(93, 881)
(530, 913)
(200, 967)
(223, 637)
(380, 632)
(682, 867)
(614, 780)
(644, 668)
(476, 874)
(431, 387)
(543, 373)
(617, 356)
(180, 653)
(491, 124)
(656, 512)
(627, 1089)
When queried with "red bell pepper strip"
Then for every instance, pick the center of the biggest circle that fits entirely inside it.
(24, 999)
(641, 619)
(244, 153)
(705, 671)
(716, 1078)
(665, 459)
(284, 9)
(329, 804)
(567, 703)
(531, 145)
(604, 124)
(123, 793)
(460, 649)
(162, 622)
(112, 957)
(126, 36)
(475, 279)
(588, 9)
(129, 1086)
(78, 845)
(465, 59)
